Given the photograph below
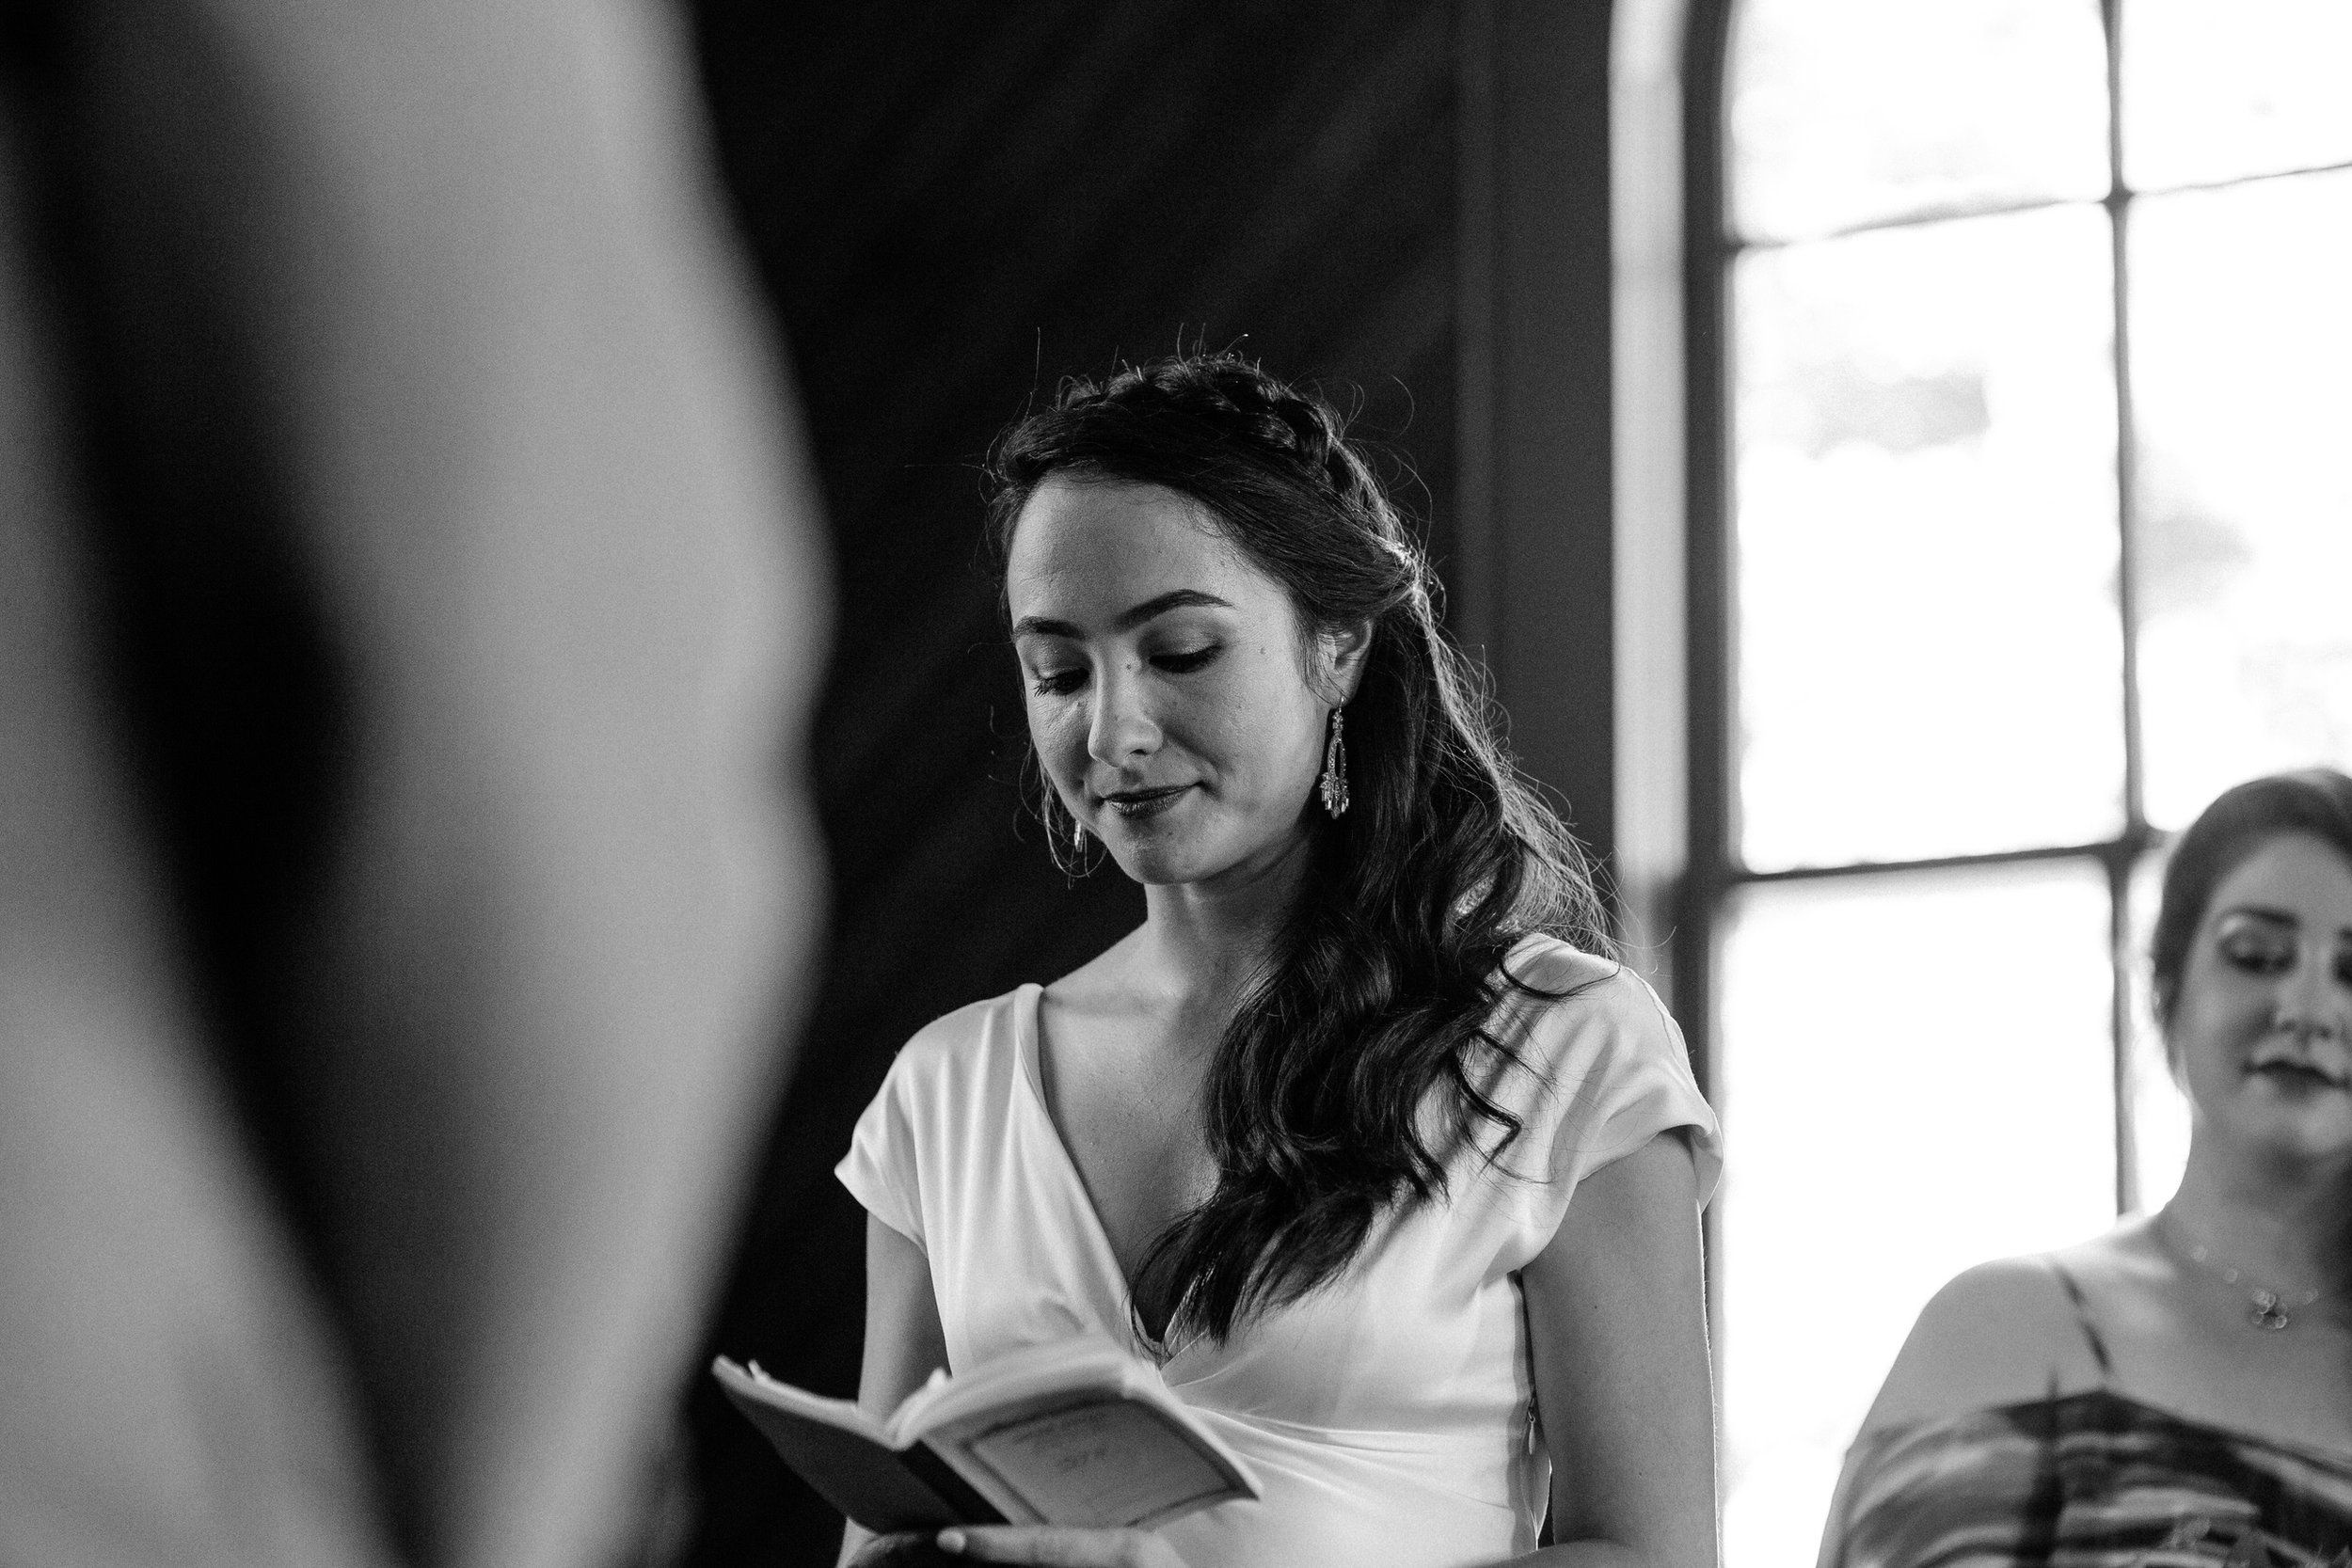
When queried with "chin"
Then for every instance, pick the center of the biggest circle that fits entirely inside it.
(2302, 1130)
(1153, 864)
(1164, 855)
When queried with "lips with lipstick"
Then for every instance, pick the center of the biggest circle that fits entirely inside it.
(2301, 1067)
(1135, 803)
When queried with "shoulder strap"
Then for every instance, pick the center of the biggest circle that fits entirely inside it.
(2082, 1318)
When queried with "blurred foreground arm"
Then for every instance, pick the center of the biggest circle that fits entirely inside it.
(410, 326)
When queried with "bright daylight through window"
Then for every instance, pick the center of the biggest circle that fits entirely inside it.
(2041, 532)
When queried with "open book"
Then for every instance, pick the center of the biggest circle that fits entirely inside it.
(1077, 1433)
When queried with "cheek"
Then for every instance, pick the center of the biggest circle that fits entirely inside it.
(1058, 731)
(1265, 729)
(2220, 1013)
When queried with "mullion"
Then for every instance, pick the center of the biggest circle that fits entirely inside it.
(1707, 350)
(2119, 206)
(1711, 643)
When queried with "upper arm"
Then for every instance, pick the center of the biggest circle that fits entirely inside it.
(904, 1342)
(2000, 1333)
(1617, 1328)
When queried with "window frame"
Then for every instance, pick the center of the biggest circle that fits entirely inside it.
(1713, 873)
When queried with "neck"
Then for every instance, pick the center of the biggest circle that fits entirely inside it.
(2278, 1223)
(1203, 943)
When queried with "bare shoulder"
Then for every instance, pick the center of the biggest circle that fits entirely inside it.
(2000, 1333)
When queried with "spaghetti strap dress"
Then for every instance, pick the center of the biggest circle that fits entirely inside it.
(2093, 1479)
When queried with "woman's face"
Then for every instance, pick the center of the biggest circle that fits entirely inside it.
(2262, 1026)
(1168, 680)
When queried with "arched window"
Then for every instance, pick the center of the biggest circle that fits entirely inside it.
(2020, 509)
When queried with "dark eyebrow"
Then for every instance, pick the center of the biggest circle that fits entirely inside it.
(2278, 917)
(1127, 619)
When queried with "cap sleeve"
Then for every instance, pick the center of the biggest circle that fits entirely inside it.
(1601, 1070)
(879, 1168)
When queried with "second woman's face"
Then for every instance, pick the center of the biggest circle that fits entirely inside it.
(1169, 681)
(2263, 1025)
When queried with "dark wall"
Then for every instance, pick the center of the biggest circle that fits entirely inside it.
(953, 205)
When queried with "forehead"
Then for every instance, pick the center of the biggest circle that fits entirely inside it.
(1084, 550)
(2295, 874)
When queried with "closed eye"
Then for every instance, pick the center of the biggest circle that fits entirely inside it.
(1057, 683)
(1184, 663)
(2259, 957)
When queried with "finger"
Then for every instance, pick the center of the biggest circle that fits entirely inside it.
(1047, 1547)
(907, 1550)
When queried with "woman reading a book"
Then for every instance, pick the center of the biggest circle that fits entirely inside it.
(1362, 1135)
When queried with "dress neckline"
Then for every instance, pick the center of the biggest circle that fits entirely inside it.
(1028, 1040)
(2087, 1322)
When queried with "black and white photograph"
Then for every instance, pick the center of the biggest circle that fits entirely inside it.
(1149, 783)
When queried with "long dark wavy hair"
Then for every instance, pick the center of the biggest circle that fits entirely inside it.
(2243, 818)
(1382, 984)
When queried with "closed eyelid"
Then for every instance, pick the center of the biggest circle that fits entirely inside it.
(2268, 922)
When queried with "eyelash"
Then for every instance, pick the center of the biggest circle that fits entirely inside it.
(2260, 960)
(1061, 682)
(2268, 961)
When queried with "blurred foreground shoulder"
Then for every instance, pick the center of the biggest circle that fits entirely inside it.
(1999, 1334)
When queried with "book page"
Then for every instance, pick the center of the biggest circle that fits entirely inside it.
(1084, 1364)
(1105, 1463)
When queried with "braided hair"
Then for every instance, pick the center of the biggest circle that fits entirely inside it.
(1381, 985)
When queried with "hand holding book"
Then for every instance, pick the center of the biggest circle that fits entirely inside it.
(1077, 1433)
(1052, 1545)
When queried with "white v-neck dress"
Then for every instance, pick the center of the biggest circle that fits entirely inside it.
(1387, 1415)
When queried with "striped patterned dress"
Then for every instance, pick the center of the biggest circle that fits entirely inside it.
(2091, 1480)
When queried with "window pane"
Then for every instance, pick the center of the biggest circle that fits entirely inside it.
(2215, 91)
(2160, 1109)
(1929, 649)
(1916, 1077)
(1847, 112)
(2242, 327)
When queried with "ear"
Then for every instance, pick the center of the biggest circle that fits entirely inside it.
(1340, 665)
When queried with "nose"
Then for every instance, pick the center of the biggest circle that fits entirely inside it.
(2312, 1000)
(1122, 731)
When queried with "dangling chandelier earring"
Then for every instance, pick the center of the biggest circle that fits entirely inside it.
(1072, 863)
(1333, 785)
